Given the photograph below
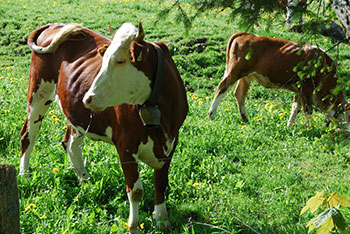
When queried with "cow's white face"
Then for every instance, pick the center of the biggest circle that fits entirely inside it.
(118, 82)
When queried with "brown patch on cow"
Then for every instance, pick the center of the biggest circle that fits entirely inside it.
(24, 137)
(66, 138)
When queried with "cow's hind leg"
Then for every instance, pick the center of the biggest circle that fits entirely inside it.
(240, 95)
(225, 84)
(40, 96)
(295, 110)
(72, 143)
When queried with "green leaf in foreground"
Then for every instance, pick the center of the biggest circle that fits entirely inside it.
(314, 202)
(335, 199)
(327, 220)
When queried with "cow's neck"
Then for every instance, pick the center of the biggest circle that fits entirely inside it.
(150, 113)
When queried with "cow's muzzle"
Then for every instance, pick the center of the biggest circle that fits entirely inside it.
(88, 103)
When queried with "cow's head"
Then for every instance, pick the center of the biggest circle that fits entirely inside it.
(120, 79)
(341, 114)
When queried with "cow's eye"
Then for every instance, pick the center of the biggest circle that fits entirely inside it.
(118, 62)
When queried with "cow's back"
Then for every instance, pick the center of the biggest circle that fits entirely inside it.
(274, 58)
(72, 67)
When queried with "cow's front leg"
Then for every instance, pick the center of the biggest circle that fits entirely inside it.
(160, 213)
(134, 189)
(72, 143)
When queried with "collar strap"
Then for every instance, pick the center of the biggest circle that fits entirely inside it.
(152, 101)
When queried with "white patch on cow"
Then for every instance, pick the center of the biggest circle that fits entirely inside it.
(106, 138)
(263, 80)
(74, 151)
(134, 205)
(58, 102)
(161, 214)
(36, 111)
(295, 109)
(118, 80)
(169, 146)
(145, 154)
(215, 104)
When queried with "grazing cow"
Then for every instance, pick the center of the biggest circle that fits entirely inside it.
(132, 75)
(276, 63)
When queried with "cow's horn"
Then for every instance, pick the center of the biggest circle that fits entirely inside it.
(111, 30)
(141, 33)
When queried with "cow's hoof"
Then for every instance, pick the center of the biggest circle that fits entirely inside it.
(134, 230)
(211, 115)
(24, 175)
(163, 225)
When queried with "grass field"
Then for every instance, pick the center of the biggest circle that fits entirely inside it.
(226, 176)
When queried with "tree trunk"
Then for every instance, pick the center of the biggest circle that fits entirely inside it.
(9, 204)
(342, 10)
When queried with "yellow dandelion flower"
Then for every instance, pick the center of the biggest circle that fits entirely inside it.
(198, 184)
(30, 206)
(55, 170)
(242, 126)
(325, 40)
(43, 217)
(142, 225)
(126, 224)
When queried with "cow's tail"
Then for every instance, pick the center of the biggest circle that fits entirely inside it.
(59, 38)
(230, 42)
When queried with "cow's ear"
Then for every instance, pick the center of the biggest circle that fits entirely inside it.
(347, 106)
(136, 52)
(103, 49)
(112, 32)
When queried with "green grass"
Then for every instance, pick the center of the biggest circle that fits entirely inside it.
(225, 175)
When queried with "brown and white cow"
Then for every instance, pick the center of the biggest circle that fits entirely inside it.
(276, 63)
(68, 62)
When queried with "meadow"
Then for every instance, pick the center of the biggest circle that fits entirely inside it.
(226, 176)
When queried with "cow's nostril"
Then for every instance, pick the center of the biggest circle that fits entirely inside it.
(88, 100)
